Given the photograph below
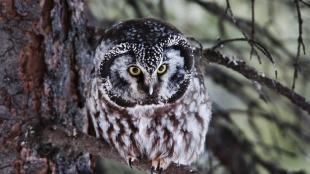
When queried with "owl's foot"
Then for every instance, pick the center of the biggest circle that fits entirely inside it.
(132, 161)
(158, 165)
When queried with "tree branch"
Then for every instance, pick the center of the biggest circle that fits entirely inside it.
(84, 143)
(251, 74)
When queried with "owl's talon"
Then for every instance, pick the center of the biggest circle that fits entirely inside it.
(131, 161)
(156, 171)
(152, 170)
(160, 170)
(159, 165)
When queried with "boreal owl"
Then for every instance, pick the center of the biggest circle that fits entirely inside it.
(148, 99)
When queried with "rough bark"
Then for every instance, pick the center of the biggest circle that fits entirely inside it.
(44, 54)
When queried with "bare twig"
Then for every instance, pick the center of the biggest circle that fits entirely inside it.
(228, 11)
(253, 28)
(305, 3)
(301, 44)
(252, 74)
(258, 45)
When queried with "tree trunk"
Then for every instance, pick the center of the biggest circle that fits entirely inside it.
(45, 55)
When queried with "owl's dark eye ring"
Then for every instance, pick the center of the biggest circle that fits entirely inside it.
(134, 70)
(162, 69)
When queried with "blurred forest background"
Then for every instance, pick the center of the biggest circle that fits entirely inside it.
(270, 131)
(257, 69)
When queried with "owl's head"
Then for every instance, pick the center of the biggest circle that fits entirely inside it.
(143, 62)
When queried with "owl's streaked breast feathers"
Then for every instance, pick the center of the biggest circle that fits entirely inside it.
(147, 98)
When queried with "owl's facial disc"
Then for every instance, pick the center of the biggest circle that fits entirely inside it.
(144, 63)
(131, 84)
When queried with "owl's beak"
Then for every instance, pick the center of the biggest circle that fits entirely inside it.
(150, 82)
(150, 90)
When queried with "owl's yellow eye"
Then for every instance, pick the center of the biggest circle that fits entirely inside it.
(134, 70)
(162, 69)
